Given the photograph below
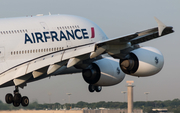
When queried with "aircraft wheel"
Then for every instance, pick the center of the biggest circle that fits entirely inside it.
(98, 88)
(16, 104)
(17, 98)
(24, 101)
(9, 98)
(91, 88)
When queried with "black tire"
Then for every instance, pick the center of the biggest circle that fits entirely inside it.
(98, 88)
(9, 98)
(91, 88)
(16, 104)
(17, 98)
(24, 101)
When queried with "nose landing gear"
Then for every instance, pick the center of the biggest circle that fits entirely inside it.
(17, 99)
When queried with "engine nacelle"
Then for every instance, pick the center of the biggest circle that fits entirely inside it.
(142, 62)
(104, 72)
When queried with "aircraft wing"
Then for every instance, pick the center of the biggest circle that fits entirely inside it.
(115, 45)
(138, 37)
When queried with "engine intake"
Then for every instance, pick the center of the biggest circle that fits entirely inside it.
(104, 72)
(92, 74)
(145, 61)
(130, 65)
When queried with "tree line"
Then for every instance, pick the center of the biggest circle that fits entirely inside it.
(171, 105)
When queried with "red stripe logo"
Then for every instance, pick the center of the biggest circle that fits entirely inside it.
(92, 32)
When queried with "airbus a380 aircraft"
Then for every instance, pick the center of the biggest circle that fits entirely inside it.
(33, 48)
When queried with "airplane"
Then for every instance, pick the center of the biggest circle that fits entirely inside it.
(36, 47)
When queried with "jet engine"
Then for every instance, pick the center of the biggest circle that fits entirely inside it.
(104, 72)
(142, 62)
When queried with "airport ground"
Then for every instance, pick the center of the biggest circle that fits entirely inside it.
(73, 111)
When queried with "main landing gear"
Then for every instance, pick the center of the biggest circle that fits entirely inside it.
(93, 88)
(17, 99)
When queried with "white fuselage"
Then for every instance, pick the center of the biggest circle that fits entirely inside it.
(27, 38)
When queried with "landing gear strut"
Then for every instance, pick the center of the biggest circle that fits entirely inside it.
(17, 99)
(93, 88)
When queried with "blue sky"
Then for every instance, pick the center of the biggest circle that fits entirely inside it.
(116, 18)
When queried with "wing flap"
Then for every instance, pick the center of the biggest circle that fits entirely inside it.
(22, 79)
(39, 72)
(150, 34)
